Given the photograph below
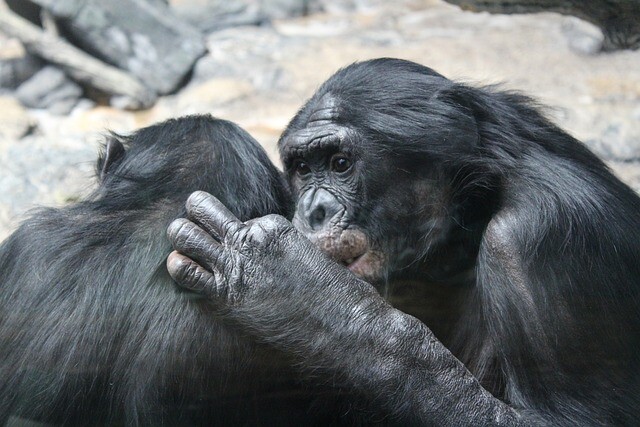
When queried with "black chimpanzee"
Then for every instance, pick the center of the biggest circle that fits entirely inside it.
(92, 328)
(524, 242)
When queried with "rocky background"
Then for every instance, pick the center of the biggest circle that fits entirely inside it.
(255, 62)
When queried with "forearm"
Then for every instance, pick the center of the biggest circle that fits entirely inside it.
(362, 344)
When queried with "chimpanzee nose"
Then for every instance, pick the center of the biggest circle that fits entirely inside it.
(316, 217)
(318, 208)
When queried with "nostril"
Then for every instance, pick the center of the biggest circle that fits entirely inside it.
(316, 219)
(315, 209)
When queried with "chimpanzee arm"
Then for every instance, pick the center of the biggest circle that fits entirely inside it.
(277, 284)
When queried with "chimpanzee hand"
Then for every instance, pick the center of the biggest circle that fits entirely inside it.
(277, 284)
(261, 265)
(225, 247)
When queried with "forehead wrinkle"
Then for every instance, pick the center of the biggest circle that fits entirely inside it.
(315, 138)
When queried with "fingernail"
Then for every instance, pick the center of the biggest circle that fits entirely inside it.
(175, 261)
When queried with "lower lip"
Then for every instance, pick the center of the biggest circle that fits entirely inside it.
(356, 262)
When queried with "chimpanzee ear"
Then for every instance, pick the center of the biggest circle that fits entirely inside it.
(114, 151)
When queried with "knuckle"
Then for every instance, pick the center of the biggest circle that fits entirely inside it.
(288, 232)
(193, 239)
(189, 275)
(211, 285)
(262, 234)
(230, 225)
(258, 232)
(199, 279)
(237, 238)
(274, 225)
(229, 265)
(277, 222)
(258, 235)
(193, 275)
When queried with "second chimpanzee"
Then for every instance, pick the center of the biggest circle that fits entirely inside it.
(92, 328)
(522, 238)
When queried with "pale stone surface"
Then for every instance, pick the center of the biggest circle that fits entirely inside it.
(259, 77)
(15, 121)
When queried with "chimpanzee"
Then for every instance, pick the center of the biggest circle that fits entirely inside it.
(519, 237)
(94, 331)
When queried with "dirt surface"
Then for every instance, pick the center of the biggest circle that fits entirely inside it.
(259, 76)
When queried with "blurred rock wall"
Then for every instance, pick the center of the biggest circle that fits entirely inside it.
(265, 58)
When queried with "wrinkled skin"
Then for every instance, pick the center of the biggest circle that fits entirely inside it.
(235, 268)
(519, 245)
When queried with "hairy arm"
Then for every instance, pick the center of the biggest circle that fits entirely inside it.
(280, 287)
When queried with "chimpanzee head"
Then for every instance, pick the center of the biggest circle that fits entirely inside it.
(372, 159)
(164, 163)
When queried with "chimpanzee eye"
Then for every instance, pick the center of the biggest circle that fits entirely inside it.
(301, 168)
(340, 163)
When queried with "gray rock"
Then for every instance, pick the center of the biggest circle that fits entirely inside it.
(272, 77)
(618, 143)
(50, 89)
(38, 171)
(241, 52)
(143, 37)
(215, 15)
(583, 37)
(629, 172)
(281, 9)
(14, 71)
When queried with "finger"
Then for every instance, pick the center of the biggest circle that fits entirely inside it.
(212, 215)
(192, 241)
(190, 275)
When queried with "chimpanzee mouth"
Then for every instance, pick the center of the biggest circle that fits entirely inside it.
(368, 266)
(352, 249)
(349, 261)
